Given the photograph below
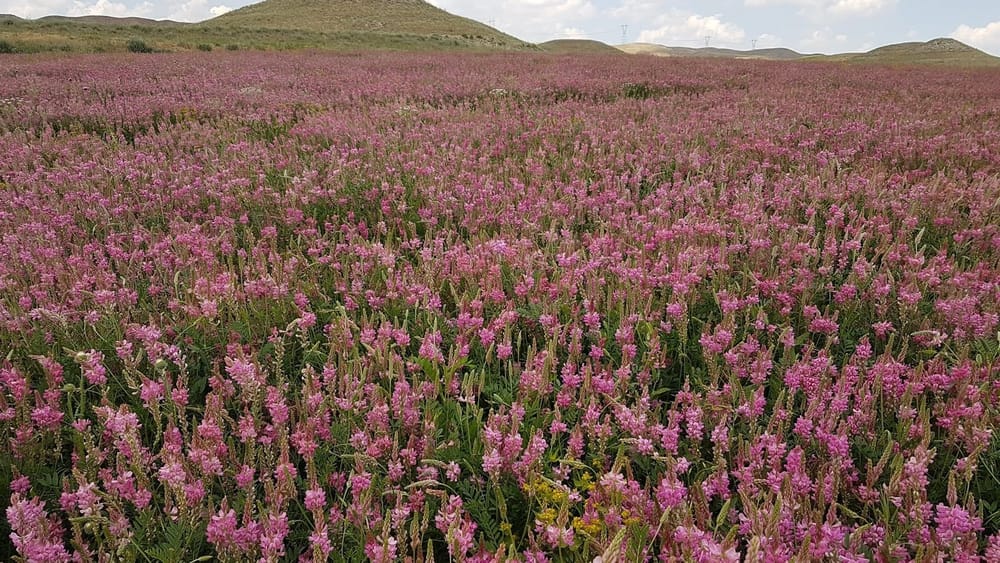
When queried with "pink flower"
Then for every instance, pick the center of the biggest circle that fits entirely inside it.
(315, 499)
(430, 347)
(458, 528)
(173, 474)
(823, 326)
(671, 492)
(93, 371)
(504, 351)
(379, 551)
(244, 373)
(559, 537)
(360, 483)
(35, 535)
(319, 540)
(150, 392)
(614, 482)
(955, 523)
(492, 462)
(244, 478)
(272, 537)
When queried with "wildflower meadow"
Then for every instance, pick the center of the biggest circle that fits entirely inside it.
(391, 307)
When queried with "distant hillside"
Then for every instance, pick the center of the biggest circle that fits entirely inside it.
(942, 51)
(401, 17)
(106, 20)
(943, 45)
(937, 51)
(578, 47)
(779, 54)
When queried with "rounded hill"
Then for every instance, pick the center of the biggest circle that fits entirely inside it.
(390, 17)
(578, 47)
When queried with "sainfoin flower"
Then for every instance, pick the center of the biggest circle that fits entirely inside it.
(34, 534)
(410, 306)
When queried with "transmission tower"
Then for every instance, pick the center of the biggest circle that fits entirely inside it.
(624, 33)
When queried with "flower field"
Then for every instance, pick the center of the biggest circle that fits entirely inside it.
(311, 307)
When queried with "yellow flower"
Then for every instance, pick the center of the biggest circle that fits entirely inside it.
(547, 516)
(558, 496)
(591, 529)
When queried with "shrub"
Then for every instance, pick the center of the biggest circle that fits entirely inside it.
(6, 48)
(204, 47)
(232, 47)
(138, 46)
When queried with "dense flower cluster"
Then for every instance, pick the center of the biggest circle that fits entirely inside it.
(308, 307)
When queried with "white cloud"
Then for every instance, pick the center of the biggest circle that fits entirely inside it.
(986, 38)
(190, 11)
(767, 41)
(693, 28)
(101, 8)
(180, 10)
(36, 9)
(764, 3)
(829, 8)
(824, 41)
(636, 9)
(573, 33)
(859, 7)
(531, 20)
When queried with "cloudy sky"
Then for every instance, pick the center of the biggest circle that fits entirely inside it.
(824, 26)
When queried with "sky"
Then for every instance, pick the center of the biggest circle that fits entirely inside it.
(811, 26)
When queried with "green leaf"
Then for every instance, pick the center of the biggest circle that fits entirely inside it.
(721, 518)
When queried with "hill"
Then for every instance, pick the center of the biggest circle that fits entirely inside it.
(336, 25)
(778, 54)
(106, 20)
(944, 51)
(401, 17)
(578, 47)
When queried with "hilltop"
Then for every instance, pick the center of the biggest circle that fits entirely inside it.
(400, 17)
(579, 47)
